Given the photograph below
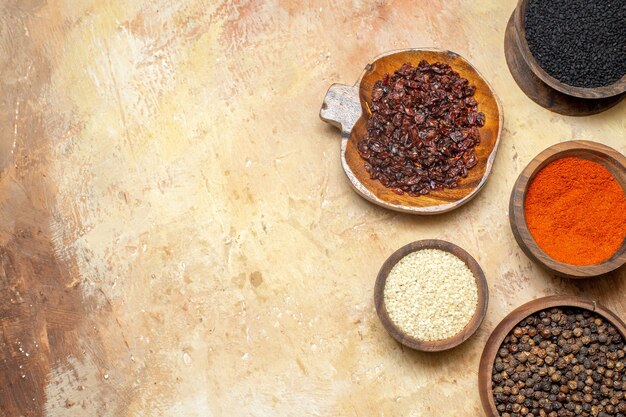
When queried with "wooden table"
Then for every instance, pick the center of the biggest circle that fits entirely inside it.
(177, 236)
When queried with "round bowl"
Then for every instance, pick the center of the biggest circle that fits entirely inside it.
(438, 345)
(510, 321)
(592, 151)
(519, 20)
(346, 107)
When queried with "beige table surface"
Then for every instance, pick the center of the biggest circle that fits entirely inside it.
(177, 236)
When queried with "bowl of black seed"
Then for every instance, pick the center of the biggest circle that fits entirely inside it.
(577, 47)
(557, 356)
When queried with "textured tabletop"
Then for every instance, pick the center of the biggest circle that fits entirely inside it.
(177, 235)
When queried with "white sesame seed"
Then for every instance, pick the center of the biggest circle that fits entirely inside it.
(431, 294)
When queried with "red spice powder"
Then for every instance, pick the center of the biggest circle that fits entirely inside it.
(576, 211)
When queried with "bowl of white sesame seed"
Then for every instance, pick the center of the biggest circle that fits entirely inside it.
(431, 295)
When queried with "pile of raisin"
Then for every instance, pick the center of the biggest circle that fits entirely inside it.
(423, 129)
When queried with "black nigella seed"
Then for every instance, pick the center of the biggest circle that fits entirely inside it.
(581, 43)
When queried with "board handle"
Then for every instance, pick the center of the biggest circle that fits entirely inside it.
(341, 107)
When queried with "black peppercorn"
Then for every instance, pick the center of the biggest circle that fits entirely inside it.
(563, 363)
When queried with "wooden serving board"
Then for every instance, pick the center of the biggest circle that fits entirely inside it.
(348, 108)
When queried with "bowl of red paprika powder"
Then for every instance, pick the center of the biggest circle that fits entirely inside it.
(568, 209)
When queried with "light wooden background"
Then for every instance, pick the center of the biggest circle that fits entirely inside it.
(177, 236)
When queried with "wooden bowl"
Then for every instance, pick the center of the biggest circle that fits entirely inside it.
(431, 346)
(546, 90)
(604, 155)
(618, 87)
(509, 322)
(345, 107)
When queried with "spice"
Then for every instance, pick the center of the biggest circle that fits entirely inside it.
(422, 130)
(561, 362)
(576, 211)
(430, 294)
(579, 42)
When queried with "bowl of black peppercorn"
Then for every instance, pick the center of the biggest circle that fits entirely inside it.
(577, 47)
(557, 356)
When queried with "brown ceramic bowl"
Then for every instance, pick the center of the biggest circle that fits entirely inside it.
(346, 107)
(614, 161)
(519, 20)
(509, 322)
(438, 345)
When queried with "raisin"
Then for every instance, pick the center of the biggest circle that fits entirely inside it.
(423, 129)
